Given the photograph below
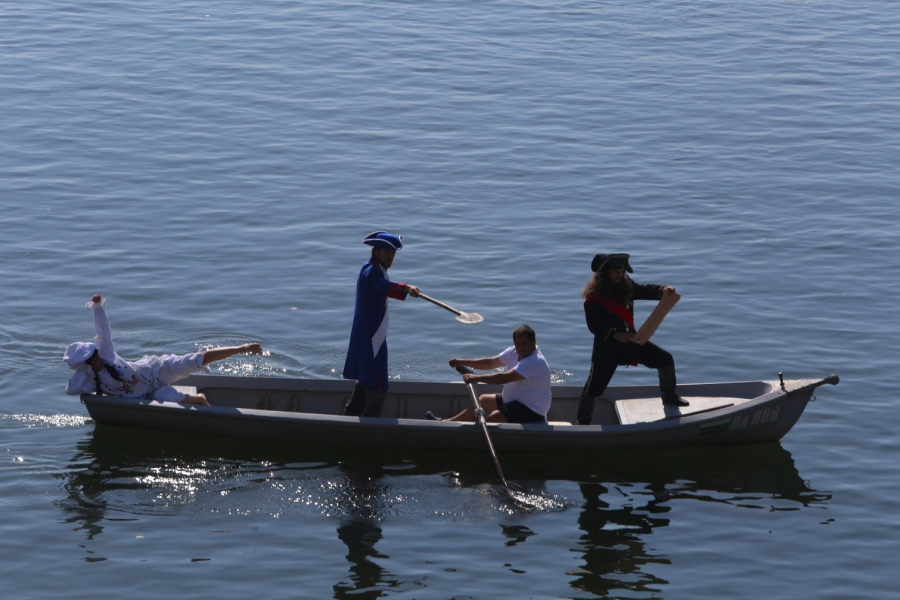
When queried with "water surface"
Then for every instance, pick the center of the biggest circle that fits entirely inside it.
(212, 168)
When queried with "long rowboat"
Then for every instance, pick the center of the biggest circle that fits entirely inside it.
(308, 411)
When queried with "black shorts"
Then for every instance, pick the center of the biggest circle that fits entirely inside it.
(516, 412)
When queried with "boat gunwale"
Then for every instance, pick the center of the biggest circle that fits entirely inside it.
(443, 387)
(792, 388)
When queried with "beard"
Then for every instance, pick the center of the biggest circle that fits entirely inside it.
(619, 292)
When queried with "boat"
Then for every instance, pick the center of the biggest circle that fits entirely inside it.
(308, 411)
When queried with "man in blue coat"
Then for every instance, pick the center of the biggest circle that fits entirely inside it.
(367, 356)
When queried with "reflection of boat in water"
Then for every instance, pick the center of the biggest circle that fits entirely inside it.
(632, 496)
(114, 466)
(620, 498)
(115, 459)
(629, 417)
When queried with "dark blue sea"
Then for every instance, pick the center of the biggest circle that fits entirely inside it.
(212, 167)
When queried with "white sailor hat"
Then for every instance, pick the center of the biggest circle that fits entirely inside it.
(78, 352)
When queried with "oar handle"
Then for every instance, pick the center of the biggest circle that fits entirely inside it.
(439, 303)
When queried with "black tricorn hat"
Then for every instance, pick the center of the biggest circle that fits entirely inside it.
(613, 261)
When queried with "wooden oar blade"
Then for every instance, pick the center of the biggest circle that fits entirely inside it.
(469, 318)
(656, 317)
(462, 317)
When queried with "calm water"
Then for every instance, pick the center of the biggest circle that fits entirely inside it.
(211, 168)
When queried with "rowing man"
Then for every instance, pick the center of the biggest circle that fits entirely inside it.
(526, 393)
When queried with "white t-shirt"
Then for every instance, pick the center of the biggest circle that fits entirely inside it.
(534, 390)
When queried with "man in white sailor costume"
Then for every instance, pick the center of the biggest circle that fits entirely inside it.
(99, 370)
(367, 356)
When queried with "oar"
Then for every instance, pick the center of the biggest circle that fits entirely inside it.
(479, 418)
(461, 316)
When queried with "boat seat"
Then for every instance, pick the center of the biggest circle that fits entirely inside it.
(647, 410)
(560, 423)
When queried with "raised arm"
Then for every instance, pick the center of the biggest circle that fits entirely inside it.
(103, 334)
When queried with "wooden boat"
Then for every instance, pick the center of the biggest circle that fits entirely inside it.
(308, 411)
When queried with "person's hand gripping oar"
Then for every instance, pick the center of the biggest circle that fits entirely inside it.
(479, 418)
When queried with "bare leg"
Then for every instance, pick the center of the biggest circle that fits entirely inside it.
(489, 404)
(496, 417)
(466, 415)
(227, 351)
(195, 399)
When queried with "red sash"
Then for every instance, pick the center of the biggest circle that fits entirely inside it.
(615, 308)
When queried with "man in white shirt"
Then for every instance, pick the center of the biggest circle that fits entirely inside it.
(526, 382)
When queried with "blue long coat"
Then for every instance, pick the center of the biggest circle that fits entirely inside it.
(367, 356)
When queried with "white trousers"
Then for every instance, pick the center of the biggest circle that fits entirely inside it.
(169, 368)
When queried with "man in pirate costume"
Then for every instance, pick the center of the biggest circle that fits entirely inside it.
(99, 370)
(609, 310)
(367, 355)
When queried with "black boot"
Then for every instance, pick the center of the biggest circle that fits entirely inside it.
(374, 403)
(357, 403)
(667, 387)
(585, 410)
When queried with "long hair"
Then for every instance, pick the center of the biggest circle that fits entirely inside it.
(600, 285)
(112, 370)
(114, 373)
